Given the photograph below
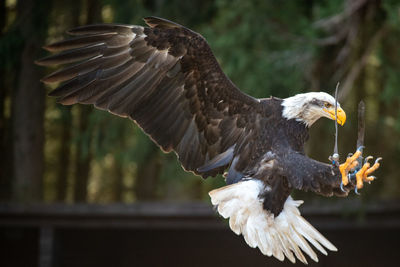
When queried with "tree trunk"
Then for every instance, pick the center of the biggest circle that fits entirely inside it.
(28, 104)
(117, 185)
(83, 155)
(147, 175)
(64, 155)
(84, 148)
(5, 175)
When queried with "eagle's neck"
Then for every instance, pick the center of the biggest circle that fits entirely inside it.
(297, 135)
(297, 108)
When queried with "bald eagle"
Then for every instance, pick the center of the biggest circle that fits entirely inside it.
(166, 79)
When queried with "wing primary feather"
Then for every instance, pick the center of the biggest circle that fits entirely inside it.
(161, 94)
(74, 85)
(177, 129)
(192, 150)
(164, 110)
(126, 69)
(106, 85)
(73, 71)
(131, 91)
(102, 28)
(139, 92)
(72, 55)
(184, 146)
(121, 79)
(73, 96)
(78, 42)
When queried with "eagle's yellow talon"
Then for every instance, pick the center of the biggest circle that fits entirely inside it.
(351, 163)
(363, 175)
(342, 169)
(373, 168)
(356, 155)
(369, 179)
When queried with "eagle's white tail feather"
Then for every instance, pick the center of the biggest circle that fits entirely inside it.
(282, 236)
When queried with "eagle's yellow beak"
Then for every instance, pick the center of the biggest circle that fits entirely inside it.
(341, 115)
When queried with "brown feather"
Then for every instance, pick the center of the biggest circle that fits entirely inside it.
(72, 55)
(79, 42)
(73, 71)
(102, 28)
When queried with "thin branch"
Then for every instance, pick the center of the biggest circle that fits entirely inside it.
(334, 21)
(359, 65)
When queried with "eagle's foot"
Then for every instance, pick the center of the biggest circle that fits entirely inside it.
(363, 175)
(349, 165)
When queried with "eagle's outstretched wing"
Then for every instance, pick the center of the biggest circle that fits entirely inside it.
(164, 77)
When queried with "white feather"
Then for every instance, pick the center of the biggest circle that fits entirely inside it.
(284, 235)
(296, 107)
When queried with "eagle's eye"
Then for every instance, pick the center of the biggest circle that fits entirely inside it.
(327, 105)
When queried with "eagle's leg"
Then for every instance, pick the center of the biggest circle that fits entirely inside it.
(350, 164)
(363, 174)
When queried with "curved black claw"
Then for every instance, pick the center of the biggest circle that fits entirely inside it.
(356, 191)
(352, 177)
(367, 159)
(342, 188)
(373, 177)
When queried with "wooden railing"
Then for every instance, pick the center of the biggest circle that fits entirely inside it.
(94, 235)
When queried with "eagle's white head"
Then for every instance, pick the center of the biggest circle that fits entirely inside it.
(309, 107)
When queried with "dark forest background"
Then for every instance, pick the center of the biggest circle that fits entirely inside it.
(54, 153)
